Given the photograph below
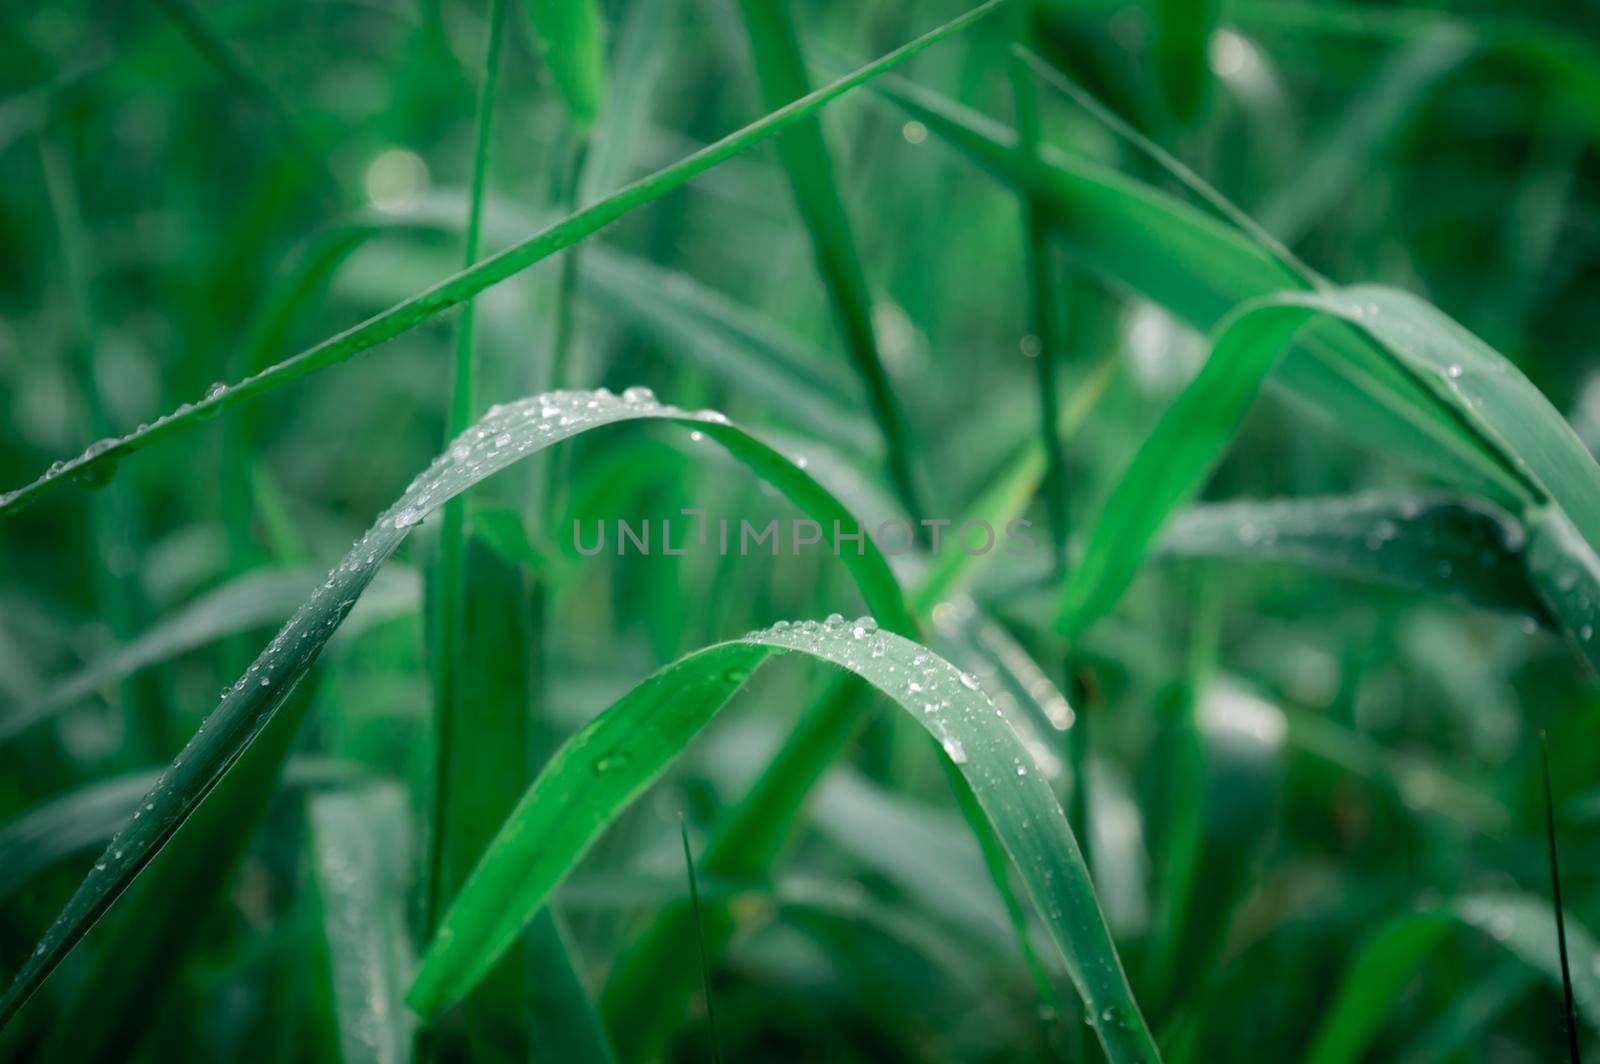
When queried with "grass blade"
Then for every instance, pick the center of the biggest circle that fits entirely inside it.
(446, 615)
(361, 846)
(568, 33)
(1453, 546)
(611, 761)
(1516, 426)
(700, 941)
(1570, 1016)
(147, 945)
(506, 435)
(780, 67)
(97, 462)
(1392, 955)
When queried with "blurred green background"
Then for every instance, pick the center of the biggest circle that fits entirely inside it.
(1275, 766)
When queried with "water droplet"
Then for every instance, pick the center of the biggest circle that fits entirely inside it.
(955, 751)
(638, 394)
(1454, 371)
(969, 679)
(216, 389)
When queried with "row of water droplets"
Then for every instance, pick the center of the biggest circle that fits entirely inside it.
(512, 431)
(948, 701)
(92, 468)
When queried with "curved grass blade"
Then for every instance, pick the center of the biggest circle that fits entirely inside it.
(360, 844)
(569, 35)
(96, 463)
(780, 69)
(1514, 423)
(1394, 953)
(616, 757)
(504, 436)
(646, 991)
(1448, 545)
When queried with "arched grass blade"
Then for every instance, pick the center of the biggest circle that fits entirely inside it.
(96, 463)
(504, 436)
(1452, 546)
(1513, 422)
(615, 758)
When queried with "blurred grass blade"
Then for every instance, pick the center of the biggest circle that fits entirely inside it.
(446, 623)
(247, 602)
(146, 947)
(534, 1002)
(1453, 546)
(1347, 155)
(1181, 36)
(504, 436)
(65, 825)
(1392, 956)
(1199, 269)
(1239, 745)
(611, 761)
(780, 68)
(97, 462)
(1372, 981)
(746, 349)
(361, 848)
(569, 35)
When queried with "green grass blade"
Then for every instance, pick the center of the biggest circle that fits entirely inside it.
(749, 351)
(65, 825)
(780, 68)
(534, 1001)
(1516, 426)
(445, 616)
(1569, 1015)
(96, 463)
(247, 602)
(361, 847)
(1179, 42)
(1452, 546)
(645, 995)
(1348, 153)
(700, 943)
(506, 435)
(165, 914)
(569, 35)
(1374, 978)
(614, 759)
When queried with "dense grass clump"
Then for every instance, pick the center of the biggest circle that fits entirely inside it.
(1191, 403)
